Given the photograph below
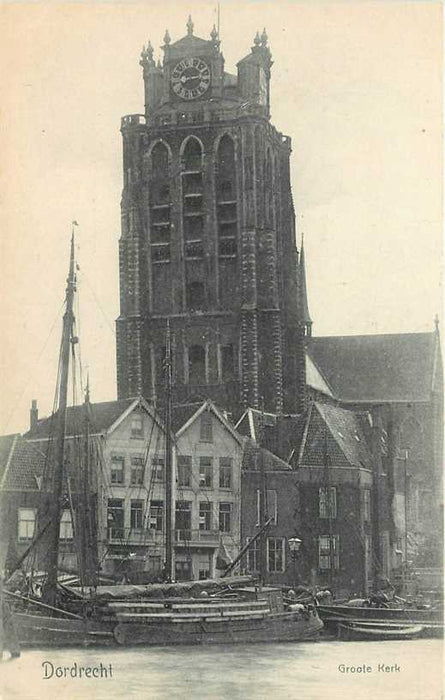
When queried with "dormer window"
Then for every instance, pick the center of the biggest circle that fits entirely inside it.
(137, 426)
(206, 434)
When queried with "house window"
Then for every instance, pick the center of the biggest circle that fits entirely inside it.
(225, 472)
(136, 515)
(253, 556)
(328, 551)
(271, 506)
(26, 523)
(197, 374)
(225, 512)
(206, 427)
(205, 515)
(66, 526)
(117, 469)
(157, 468)
(183, 570)
(115, 518)
(275, 555)
(183, 520)
(156, 515)
(137, 426)
(327, 502)
(368, 554)
(386, 552)
(205, 472)
(203, 570)
(367, 505)
(137, 470)
(154, 564)
(184, 470)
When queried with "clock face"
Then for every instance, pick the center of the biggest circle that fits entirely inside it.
(190, 78)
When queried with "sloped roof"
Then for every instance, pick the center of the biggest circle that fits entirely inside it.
(251, 459)
(6, 443)
(182, 413)
(315, 379)
(191, 42)
(375, 368)
(25, 463)
(207, 405)
(102, 416)
(337, 433)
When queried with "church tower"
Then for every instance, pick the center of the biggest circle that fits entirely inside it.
(208, 235)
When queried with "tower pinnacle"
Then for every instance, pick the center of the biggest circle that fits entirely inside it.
(190, 26)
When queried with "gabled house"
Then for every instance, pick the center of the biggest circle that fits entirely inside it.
(22, 467)
(127, 485)
(398, 379)
(209, 455)
(265, 473)
(334, 470)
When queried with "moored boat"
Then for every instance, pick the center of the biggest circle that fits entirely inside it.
(430, 620)
(375, 631)
(51, 614)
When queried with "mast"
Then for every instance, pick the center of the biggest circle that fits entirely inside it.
(263, 504)
(169, 545)
(88, 535)
(49, 591)
(329, 505)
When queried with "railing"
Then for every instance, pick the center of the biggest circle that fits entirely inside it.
(189, 538)
(133, 120)
(128, 535)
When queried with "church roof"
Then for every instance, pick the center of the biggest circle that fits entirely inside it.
(377, 368)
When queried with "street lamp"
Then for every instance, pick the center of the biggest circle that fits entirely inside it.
(294, 546)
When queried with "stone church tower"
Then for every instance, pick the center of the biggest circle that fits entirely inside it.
(208, 236)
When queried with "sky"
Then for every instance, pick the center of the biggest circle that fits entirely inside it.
(356, 85)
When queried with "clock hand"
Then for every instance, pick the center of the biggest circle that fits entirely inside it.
(184, 79)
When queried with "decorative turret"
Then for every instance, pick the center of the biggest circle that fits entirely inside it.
(254, 72)
(304, 317)
(153, 78)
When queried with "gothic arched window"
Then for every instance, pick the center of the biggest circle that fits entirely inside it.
(197, 364)
(159, 160)
(192, 200)
(195, 296)
(159, 189)
(226, 198)
(192, 155)
(268, 189)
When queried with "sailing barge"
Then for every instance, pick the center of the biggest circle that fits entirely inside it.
(141, 615)
(225, 611)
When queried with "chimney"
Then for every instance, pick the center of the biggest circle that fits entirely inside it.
(33, 414)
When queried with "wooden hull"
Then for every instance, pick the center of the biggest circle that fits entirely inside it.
(376, 632)
(42, 631)
(431, 621)
(278, 627)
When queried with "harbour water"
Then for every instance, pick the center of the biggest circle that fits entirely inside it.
(393, 670)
